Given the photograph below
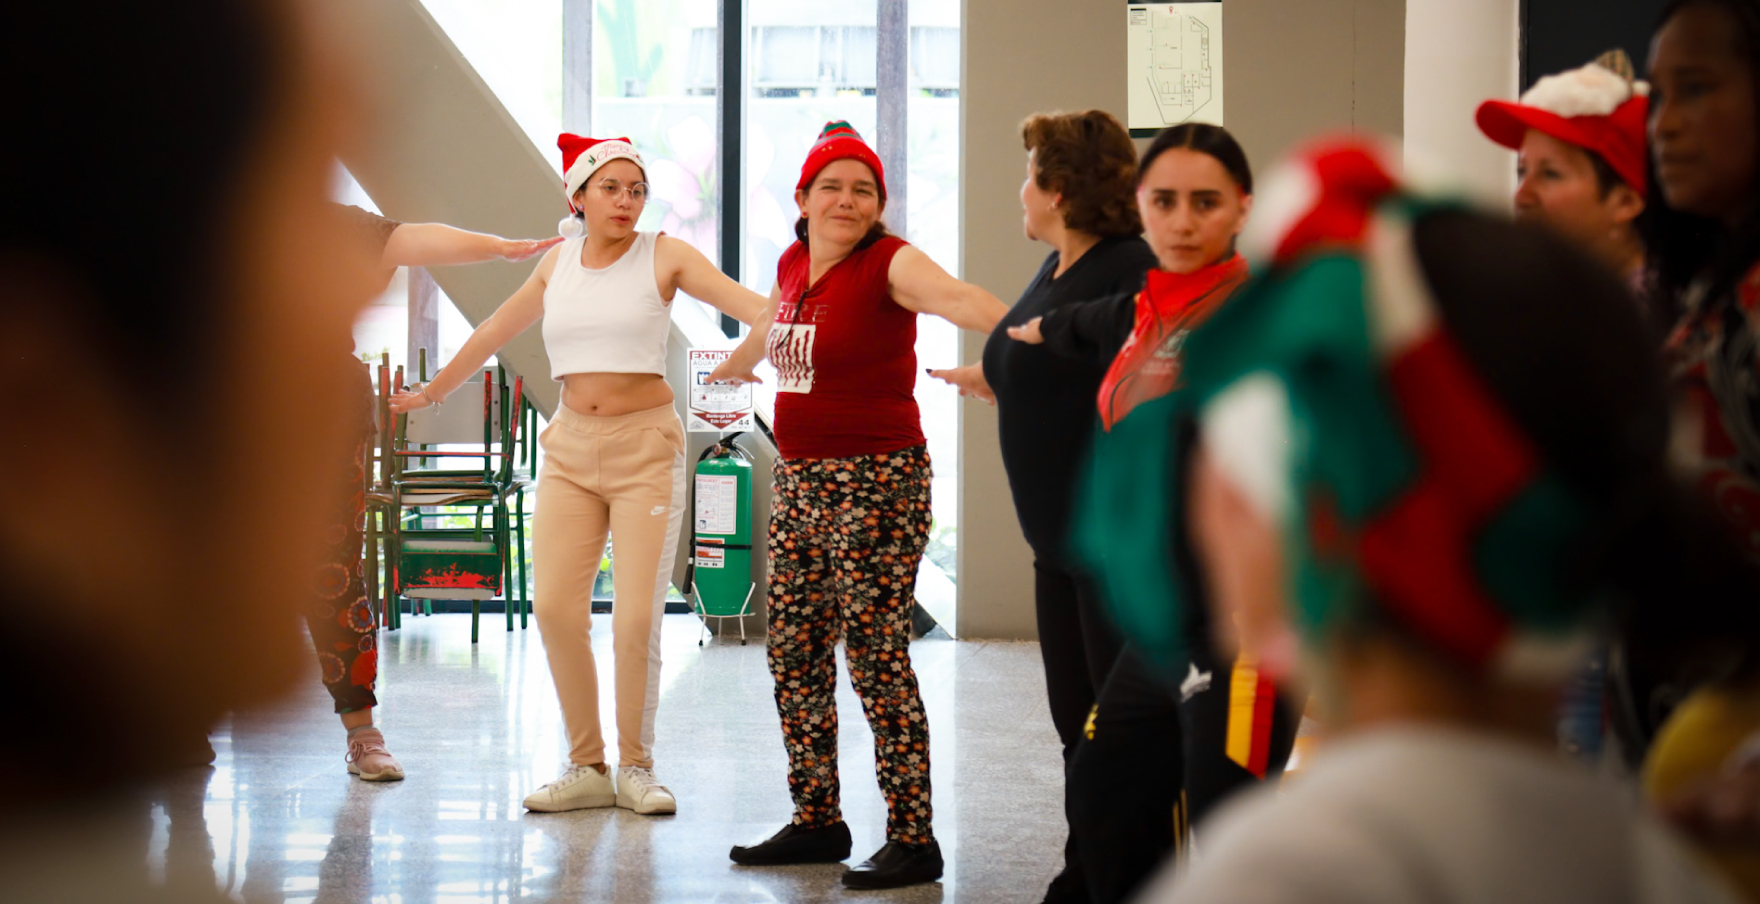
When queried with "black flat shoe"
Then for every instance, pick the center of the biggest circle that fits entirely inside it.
(1070, 887)
(897, 865)
(798, 844)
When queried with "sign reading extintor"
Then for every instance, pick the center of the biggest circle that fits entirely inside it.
(716, 408)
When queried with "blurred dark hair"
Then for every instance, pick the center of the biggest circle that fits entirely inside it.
(131, 124)
(1205, 139)
(1684, 247)
(1087, 157)
(1568, 356)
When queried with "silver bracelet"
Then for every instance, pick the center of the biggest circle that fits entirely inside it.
(422, 390)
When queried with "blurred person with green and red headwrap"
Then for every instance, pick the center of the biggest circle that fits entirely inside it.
(1413, 479)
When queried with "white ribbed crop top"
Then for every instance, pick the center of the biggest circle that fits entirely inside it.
(610, 321)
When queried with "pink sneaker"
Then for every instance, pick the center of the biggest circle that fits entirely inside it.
(368, 758)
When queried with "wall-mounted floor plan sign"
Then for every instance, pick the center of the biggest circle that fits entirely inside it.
(1175, 64)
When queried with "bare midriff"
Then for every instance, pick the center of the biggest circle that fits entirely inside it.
(609, 395)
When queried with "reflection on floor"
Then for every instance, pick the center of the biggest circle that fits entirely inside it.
(478, 727)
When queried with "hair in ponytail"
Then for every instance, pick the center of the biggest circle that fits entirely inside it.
(1204, 138)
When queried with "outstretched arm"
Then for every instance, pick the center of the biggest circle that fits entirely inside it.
(919, 284)
(738, 367)
(1091, 330)
(436, 244)
(690, 271)
(968, 379)
(518, 312)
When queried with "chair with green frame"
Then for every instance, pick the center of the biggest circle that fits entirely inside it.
(470, 560)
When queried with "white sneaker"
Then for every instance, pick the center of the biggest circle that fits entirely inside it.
(638, 790)
(580, 788)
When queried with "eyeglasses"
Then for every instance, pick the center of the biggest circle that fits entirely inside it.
(611, 188)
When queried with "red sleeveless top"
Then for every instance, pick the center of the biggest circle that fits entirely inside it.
(846, 359)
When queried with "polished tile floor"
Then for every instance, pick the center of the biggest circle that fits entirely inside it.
(279, 819)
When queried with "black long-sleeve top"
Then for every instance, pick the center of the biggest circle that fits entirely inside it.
(1045, 395)
(1092, 330)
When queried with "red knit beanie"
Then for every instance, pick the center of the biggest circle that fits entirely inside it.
(839, 141)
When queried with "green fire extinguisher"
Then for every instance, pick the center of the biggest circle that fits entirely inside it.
(721, 547)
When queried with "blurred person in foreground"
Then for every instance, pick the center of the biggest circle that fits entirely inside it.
(1703, 766)
(164, 355)
(1417, 481)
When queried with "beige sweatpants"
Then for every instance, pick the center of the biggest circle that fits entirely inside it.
(624, 475)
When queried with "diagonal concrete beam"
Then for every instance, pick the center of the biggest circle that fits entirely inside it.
(449, 152)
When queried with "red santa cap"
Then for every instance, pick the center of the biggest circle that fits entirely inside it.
(1598, 108)
(581, 157)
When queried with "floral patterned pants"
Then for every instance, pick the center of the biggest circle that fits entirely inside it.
(340, 618)
(846, 535)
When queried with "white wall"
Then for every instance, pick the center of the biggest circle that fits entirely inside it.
(1009, 73)
(1458, 54)
(1295, 68)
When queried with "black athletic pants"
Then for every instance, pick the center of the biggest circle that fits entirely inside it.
(1078, 646)
(1153, 765)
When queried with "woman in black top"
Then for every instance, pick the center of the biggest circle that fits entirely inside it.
(1079, 199)
(1160, 749)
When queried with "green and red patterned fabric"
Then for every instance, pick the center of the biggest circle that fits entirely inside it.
(1330, 391)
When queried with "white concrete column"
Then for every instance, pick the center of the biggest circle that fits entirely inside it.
(1458, 54)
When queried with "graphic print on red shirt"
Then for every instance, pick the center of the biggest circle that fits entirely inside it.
(791, 345)
(845, 352)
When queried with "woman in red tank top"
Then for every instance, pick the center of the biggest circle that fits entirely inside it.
(851, 511)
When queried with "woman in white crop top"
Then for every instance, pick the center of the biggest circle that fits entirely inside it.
(614, 456)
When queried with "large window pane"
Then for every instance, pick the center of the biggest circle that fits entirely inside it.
(933, 225)
(935, 55)
(792, 93)
(799, 80)
(654, 80)
(810, 63)
(785, 56)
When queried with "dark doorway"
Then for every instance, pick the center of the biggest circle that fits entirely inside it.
(1564, 34)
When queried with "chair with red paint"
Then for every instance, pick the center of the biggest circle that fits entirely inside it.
(453, 534)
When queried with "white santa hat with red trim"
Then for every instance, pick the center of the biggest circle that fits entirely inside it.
(581, 157)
